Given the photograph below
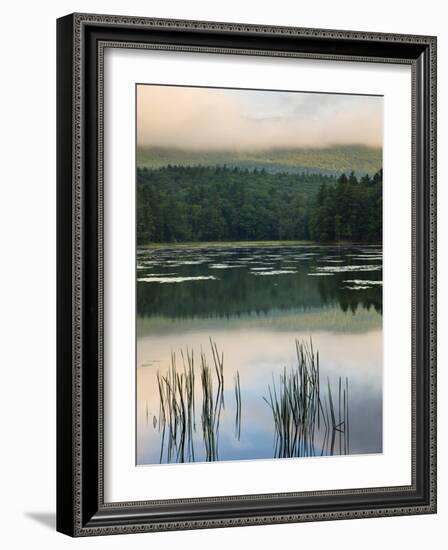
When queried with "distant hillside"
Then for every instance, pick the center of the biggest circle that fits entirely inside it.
(331, 160)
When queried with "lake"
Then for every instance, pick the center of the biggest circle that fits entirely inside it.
(258, 351)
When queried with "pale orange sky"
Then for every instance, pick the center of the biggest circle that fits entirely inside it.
(208, 118)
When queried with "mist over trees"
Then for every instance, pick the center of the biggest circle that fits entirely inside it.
(203, 203)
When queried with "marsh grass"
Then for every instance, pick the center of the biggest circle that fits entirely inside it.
(212, 405)
(177, 405)
(310, 417)
(237, 406)
(308, 421)
(177, 409)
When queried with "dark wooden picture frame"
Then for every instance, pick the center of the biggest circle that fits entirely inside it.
(81, 509)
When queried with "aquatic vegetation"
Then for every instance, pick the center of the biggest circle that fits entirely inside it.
(175, 279)
(306, 420)
(347, 268)
(238, 406)
(236, 288)
(212, 403)
(177, 416)
(276, 272)
(363, 282)
(310, 418)
(223, 266)
(177, 410)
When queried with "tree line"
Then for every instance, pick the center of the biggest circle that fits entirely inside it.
(351, 210)
(219, 203)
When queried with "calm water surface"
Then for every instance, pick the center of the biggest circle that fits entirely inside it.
(255, 303)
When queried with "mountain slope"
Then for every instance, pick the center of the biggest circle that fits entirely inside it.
(331, 160)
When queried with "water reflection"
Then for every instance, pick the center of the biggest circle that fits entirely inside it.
(223, 282)
(260, 301)
(309, 418)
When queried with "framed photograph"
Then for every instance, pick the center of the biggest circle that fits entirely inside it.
(246, 274)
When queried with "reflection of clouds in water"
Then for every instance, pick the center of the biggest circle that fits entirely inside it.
(366, 432)
(260, 341)
(257, 355)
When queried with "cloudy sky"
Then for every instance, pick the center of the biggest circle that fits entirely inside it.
(207, 118)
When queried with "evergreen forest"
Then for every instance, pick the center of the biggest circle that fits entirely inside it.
(220, 203)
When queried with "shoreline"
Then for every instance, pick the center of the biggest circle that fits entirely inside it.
(217, 244)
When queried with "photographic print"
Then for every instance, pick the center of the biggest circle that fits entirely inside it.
(258, 274)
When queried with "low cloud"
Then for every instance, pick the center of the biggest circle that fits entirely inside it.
(216, 119)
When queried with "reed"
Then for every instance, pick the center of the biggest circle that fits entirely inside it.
(309, 417)
(237, 405)
(177, 405)
(306, 421)
(176, 409)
